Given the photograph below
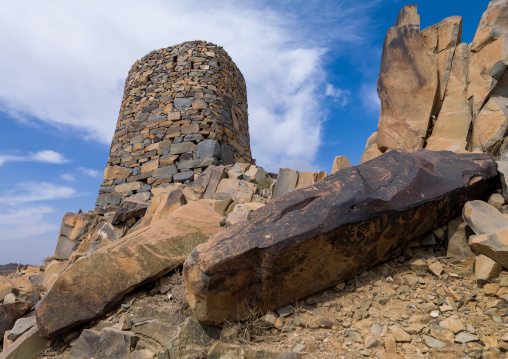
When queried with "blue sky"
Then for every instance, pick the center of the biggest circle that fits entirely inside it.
(311, 69)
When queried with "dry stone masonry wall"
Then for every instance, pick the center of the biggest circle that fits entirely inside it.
(184, 108)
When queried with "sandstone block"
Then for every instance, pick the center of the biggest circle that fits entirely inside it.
(146, 254)
(458, 246)
(128, 210)
(452, 126)
(20, 327)
(217, 174)
(114, 172)
(494, 246)
(128, 187)
(456, 86)
(258, 176)
(491, 125)
(485, 70)
(150, 166)
(286, 182)
(29, 346)
(108, 199)
(110, 343)
(73, 229)
(486, 269)
(228, 185)
(483, 218)
(289, 237)
(178, 148)
(339, 163)
(408, 74)
(305, 179)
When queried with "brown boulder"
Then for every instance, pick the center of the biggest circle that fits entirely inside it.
(11, 312)
(494, 246)
(79, 295)
(313, 238)
(408, 75)
(452, 126)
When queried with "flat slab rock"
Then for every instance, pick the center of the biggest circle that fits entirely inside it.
(318, 236)
(94, 284)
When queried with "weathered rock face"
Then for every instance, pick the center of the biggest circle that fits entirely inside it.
(469, 111)
(78, 296)
(408, 75)
(74, 227)
(318, 236)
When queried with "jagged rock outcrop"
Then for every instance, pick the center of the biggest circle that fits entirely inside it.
(408, 75)
(469, 111)
(319, 236)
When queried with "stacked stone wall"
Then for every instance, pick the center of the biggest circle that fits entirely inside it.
(184, 108)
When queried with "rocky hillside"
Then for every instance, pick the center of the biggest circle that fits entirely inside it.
(402, 256)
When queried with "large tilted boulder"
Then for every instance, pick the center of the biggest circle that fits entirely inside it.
(94, 284)
(318, 236)
(408, 75)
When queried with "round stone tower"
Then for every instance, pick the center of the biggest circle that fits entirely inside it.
(184, 108)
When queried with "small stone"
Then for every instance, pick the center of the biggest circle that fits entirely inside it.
(436, 268)
(433, 343)
(285, 311)
(377, 330)
(486, 269)
(371, 342)
(464, 337)
(491, 289)
(390, 344)
(453, 323)
(298, 348)
(417, 265)
(400, 334)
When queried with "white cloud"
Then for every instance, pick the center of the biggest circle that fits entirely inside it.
(36, 191)
(48, 156)
(41, 156)
(68, 177)
(18, 224)
(68, 60)
(339, 96)
(90, 172)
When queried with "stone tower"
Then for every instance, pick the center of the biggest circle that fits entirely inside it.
(184, 108)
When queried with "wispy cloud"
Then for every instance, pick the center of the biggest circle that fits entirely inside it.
(47, 156)
(68, 177)
(17, 224)
(89, 172)
(36, 191)
(339, 96)
(54, 71)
